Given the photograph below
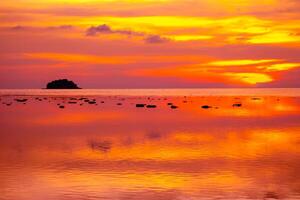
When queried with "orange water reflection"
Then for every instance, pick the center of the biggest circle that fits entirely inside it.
(111, 151)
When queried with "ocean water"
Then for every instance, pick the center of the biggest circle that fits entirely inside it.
(159, 92)
(96, 144)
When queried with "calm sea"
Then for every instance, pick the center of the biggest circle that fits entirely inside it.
(160, 92)
(188, 144)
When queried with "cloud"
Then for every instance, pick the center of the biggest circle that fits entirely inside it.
(237, 72)
(152, 39)
(61, 27)
(105, 29)
(94, 30)
(31, 28)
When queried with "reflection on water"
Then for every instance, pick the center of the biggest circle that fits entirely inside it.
(114, 150)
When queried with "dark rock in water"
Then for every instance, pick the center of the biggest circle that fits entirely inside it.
(237, 105)
(119, 104)
(151, 106)
(72, 102)
(103, 146)
(154, 136)
(206, 107)
(140, 105)
(174, 107)
(61, 106)
(21, 100)
(169, 104)
(271, 195)
(92, 102)
(102, 102)
(62, 84)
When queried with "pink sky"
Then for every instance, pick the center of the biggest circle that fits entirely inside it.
(150, 43)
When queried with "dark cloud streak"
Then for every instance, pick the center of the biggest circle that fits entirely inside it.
(155, 39)
(28, 28)
(105, 29)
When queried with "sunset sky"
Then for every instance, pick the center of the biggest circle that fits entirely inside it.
(150, 43)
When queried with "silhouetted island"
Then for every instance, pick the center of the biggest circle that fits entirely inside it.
(62, 84)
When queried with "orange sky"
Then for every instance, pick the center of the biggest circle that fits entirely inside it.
(150, 43)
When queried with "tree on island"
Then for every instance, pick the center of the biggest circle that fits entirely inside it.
(62, 84)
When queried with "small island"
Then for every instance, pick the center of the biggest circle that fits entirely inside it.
(62, 84)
